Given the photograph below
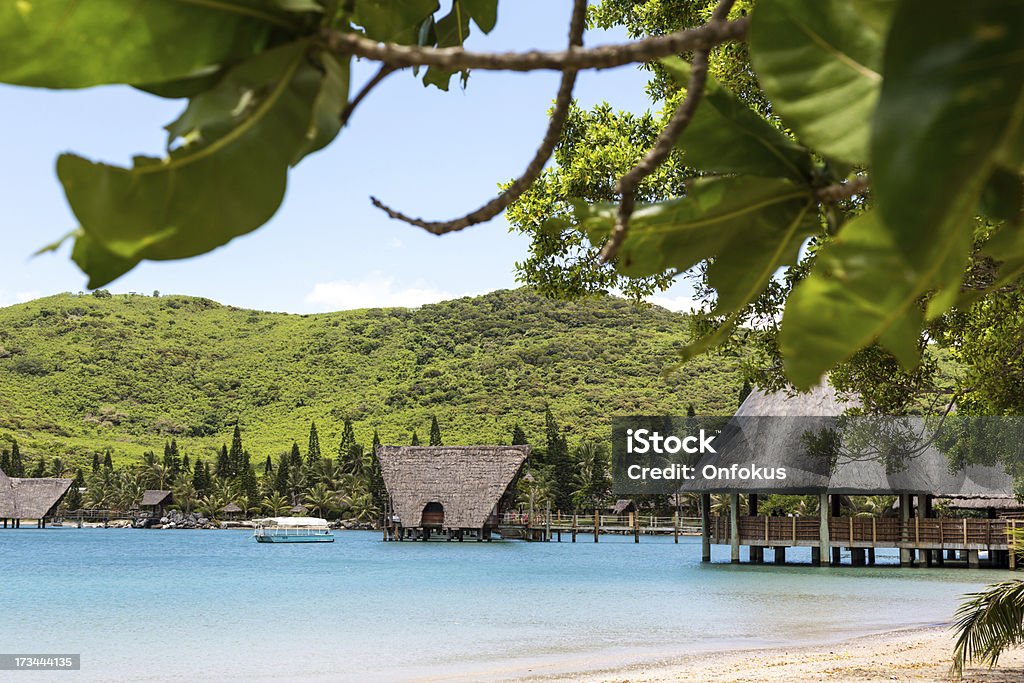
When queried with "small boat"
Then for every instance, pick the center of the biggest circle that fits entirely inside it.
(293, 530)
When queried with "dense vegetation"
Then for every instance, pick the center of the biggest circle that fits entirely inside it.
(81, 374)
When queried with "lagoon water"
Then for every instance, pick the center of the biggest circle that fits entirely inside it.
(214, 605)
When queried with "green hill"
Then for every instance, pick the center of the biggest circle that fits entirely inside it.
(79, 373)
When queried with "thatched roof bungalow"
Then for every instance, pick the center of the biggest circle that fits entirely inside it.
(30, 498)
(449, 487)
(156, 501)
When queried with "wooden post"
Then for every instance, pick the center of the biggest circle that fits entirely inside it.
(547, 523)
(636, 527)
(756, 552)
(597, 523)
(734, 527)
(972, 559)
(906, 554)
(1009, 545)
(575, 520)
(675, 527)
(836, 512)
(780, 554)
(705, 527)
(824, 543)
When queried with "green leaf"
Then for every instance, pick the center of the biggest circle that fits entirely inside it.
(79, 43)
(726, 136)
(393, 21)
(951, 105)
(861, 290)
(226, 179)
(1002, 198)
(451, 31)
(330, 101)
(716, 216)
(483, 12)
(101, 265)
(820, 62)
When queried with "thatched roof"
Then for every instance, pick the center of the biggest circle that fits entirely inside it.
(1004, 503)
(30, 498)
(299, 510)
(623, 505)
(154, 497)
(468, 481)
(769, 430)
(231, 508)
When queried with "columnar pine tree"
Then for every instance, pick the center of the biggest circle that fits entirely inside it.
(5, 461)
(108, 460)
(201, 477)
(435, 431)
(223, 467)
(95, 462)
(376, 441)
(415, 439)
(40, 468)
(73, 499)
(250, 486)
(691, 411)
(295, 457)
(236, 456)
(313, 451)
(518, 436)
(281, 477)
(744, 391)
(17, 466)
(186, 466)
(557, 459)
(268, 467)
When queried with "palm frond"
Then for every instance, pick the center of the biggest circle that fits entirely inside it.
(987, 623)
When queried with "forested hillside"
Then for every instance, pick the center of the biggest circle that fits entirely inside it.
(83, 373)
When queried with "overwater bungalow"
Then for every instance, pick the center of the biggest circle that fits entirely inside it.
(455, 491)
(920, 536)
(30, 498)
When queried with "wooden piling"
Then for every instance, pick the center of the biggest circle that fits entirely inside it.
(705, 527)
(734, 527)
(597, 524)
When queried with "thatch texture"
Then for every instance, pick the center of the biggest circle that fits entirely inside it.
(1001, 503)
(469, 481)
(30, 498)
(769, 431)
(231, 508)
(622, 506)
(155, 497)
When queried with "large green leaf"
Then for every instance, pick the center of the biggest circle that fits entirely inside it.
(484, 13)
(861, 290)
(951, 108)
(101, 265)
(226, 179)
(393, 21)
(81, 43)
(820, 63)
(715, 216)
(450, 31)
(726, 136)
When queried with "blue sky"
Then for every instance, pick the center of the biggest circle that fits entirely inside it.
(426, 152)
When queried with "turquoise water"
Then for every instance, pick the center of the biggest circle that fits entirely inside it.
(214, 605)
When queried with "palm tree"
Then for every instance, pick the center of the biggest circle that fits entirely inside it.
(991, 621)
(320, 499)
(275, 504)
(185, 496)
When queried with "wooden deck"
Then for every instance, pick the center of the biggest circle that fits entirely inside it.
(868, 532)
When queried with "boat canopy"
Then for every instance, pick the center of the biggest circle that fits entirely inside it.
(294, 522)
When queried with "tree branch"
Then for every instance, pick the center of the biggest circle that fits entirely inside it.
(666, 141)
(602, 57)
(830, 194)
(554, 132)
(383, 73)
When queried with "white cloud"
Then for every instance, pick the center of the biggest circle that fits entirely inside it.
(374, 291)
(10, 298)
(681, 304)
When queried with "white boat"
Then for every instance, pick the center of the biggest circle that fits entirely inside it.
(293, 530)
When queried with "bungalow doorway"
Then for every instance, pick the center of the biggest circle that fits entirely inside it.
(433, 515)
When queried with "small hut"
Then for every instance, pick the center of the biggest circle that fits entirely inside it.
(30, 498)
(156, 502)
(299, 511)
(231, 511)
(448, 489)
(623, 506)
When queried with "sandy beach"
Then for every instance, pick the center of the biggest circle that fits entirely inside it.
(907, 655)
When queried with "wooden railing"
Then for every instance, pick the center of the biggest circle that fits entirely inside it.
(865, 532)
(625, 523)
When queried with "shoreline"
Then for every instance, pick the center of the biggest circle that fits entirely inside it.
(908, 654)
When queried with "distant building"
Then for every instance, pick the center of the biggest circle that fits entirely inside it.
(156, 502)
(30, 498)
(450, 490)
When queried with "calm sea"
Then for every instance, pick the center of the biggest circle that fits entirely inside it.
(208, 605)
